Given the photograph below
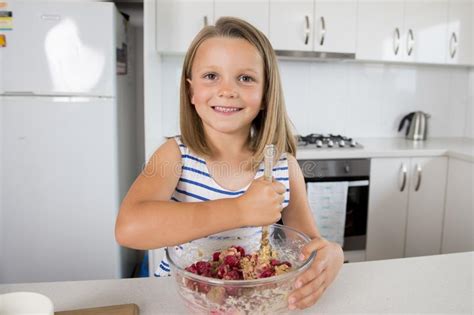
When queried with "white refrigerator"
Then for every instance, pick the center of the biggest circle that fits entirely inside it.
(67, 149)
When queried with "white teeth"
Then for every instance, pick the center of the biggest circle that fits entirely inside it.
(226, 109)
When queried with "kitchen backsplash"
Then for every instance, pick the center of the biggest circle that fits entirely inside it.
(357, 99)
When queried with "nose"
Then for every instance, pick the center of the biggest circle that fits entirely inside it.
(227, 89)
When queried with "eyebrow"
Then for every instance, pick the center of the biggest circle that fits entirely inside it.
(207, 68)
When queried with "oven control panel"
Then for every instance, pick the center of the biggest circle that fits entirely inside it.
(322, 169)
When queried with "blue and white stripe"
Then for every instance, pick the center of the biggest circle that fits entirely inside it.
(196, 183)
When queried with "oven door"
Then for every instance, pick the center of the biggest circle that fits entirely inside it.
(355, 229)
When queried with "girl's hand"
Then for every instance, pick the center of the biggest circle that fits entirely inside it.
(261, 204)
(314, 281)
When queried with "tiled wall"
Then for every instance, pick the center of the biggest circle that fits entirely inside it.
(357, 99)
(470, 108)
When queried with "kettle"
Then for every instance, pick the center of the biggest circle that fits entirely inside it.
(417, 128)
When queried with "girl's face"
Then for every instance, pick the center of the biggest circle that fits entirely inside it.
(227, 84)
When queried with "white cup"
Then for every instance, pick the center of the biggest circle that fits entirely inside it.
(23, 303)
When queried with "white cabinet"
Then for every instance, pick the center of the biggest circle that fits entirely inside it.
(335, 26)
(256, 12)
(306, 25)
(460, 32)
(425, 206)
(406, 31)
(388, 205)
(458, 235)
(406, 202)
(380, 30)
(178, 21)
(426, 27)
(290, 25)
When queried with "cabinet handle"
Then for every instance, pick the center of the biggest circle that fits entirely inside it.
(410, 42)
(205, 22)
(306, 30)
(418, 173)
(396, 41)
(453, 45)
(323, 31)
(403, 170)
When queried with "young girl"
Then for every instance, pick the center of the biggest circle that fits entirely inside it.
(210, 179)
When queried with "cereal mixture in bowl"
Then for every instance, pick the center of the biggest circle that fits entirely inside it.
(224, 273)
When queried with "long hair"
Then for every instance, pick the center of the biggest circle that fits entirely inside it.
(271, 125)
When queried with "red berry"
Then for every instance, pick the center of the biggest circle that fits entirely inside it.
(231, 261)
(215, 256)
(221, 271)
(232, 275)
(267, 273)
(241, 250)
(203, 268)
(192, 268)
(202, 287)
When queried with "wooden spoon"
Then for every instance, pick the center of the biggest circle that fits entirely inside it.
(269, 156)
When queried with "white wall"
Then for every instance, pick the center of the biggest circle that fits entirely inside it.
(135, 12)
(469, 130)
(356, 99)
(153, 120)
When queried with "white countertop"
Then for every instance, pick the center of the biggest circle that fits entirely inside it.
(460, 148)
(431, 284)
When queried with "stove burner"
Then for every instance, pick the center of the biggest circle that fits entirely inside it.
(327, 141)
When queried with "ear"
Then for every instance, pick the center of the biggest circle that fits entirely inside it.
(191, 92)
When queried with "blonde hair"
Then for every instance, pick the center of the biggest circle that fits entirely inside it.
(271, 126)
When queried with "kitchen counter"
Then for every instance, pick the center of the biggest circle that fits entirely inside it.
(460, 148)
(435, 284)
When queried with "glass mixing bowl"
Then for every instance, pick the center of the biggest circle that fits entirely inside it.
(203, 295)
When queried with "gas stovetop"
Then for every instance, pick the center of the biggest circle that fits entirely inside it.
(329, 141)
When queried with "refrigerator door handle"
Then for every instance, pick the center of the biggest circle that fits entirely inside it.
(18, 93)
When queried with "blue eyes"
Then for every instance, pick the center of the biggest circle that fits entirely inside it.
(242, 78)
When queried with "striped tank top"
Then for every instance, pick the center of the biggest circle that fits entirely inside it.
(196, 184)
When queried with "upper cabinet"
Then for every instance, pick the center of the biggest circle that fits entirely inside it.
(253, 11)
(460, 34)
(178, 21)
(425, 31)
(417, 31)
(291, 31)
(335, 26)
(306, 25)
(380, 30)
(435, 32)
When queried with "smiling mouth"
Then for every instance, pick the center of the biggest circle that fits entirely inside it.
(223, 109)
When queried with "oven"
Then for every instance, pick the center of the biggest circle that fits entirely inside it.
(356, 173)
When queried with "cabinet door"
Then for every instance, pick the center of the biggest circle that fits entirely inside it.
(425, 31)
(178, 21)
(426, 206)
(253, 11)
(458, 229)
(291, 25)
(335, 26)
(388, 198)
(460, 32)
(380, 30)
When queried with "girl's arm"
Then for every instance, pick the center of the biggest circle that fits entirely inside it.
(298, 212)
(148, 219)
